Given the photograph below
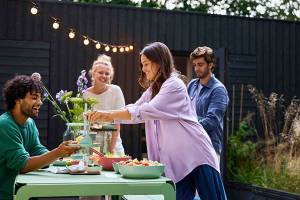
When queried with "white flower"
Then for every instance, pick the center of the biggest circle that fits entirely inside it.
(36, 76)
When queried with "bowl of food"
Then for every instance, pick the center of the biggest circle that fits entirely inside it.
(143, 169)
(108, 159)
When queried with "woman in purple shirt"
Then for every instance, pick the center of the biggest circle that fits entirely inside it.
(174, 136)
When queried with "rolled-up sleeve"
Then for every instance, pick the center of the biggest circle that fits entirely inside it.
(132, 109)
(134, 112)
(163, 106)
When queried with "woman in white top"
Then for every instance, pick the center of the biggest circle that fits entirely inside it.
(109, 96)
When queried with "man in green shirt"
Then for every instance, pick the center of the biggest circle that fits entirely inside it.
(20, 148)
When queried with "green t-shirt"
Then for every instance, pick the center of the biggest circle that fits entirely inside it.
(17, 144)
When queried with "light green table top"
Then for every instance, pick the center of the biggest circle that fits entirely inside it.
(45, 184)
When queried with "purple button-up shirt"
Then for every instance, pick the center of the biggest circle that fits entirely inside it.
(174, 136)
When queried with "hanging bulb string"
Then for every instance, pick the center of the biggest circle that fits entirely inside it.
(34, 9)
(72, 33)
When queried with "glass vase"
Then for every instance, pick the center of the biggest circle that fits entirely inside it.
(72, 131)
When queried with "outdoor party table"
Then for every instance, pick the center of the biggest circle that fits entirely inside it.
(42, 183)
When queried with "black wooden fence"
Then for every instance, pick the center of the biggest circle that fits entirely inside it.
(261, 52)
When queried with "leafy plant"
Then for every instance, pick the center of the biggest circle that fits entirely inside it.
(279, 9)
(270, 159)
(74, 106)
(241, 151)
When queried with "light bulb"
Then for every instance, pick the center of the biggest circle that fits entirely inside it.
(121, 49)
(131, 47)
(114, 49)
(126, 48)
(71, 34)
(98, 45)
(107, 48)
(86, 41)
(55, 25)
(34, 10)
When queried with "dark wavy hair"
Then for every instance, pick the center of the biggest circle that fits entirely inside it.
(17, 88)
(207, 53)
(160, 54)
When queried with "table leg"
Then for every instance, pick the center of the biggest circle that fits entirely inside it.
(169, 191)
(115, 197)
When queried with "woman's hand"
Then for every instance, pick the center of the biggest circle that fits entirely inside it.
(103, 116)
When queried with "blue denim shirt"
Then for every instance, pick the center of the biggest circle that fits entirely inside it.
(211, 104)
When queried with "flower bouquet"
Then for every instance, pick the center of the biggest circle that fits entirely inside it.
(70, 107)
(74, 106)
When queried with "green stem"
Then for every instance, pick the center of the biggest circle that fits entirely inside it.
(56, 106)
(67, 105)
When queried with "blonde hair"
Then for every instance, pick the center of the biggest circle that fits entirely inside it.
(105, 60)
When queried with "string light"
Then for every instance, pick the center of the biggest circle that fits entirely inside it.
(56, 24)
(107, 48)
(34, 9)
(98, 45)
(71, 34)
(86, 41)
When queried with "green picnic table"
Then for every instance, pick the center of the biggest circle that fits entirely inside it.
(46, 184)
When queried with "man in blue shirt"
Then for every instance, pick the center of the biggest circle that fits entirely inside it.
(208, 95)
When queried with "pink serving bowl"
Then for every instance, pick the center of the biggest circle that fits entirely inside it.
(107, 162)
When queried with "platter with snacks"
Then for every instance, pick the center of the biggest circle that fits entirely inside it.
(143, 169)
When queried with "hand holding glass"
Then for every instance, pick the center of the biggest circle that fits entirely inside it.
(96, 116)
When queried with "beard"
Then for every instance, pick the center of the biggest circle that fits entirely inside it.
(28, 111)
(202, 74)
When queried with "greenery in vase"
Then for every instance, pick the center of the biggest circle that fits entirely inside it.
(70, 106)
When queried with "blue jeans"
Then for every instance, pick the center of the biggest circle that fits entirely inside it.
(206, 180)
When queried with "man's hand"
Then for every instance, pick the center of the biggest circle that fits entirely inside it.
(36, 162)
(64, 150)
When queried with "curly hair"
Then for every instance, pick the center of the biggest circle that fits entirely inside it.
(160, 54)
(206, 52)
(17, 88)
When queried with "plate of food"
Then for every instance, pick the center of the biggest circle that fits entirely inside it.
(64, 162)
(89, 170)
(81, 169)
(143, 169)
